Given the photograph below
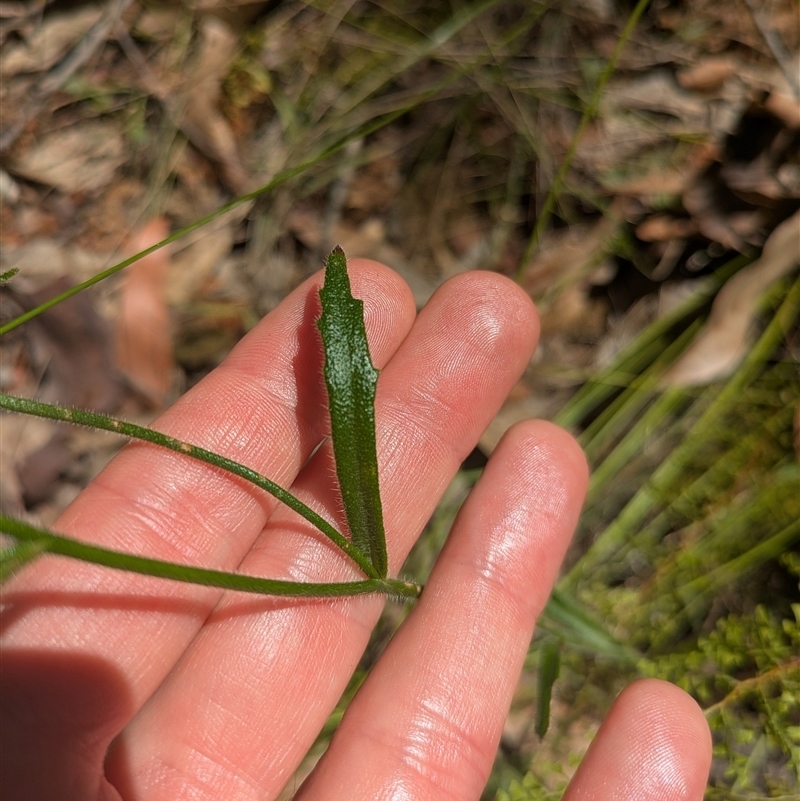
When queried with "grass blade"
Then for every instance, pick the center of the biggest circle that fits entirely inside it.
(549, 668)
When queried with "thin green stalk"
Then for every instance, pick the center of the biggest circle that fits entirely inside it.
(644, 349)
(410, 56)
(633, 442)
(754, 514)
(587, 116)
(596, 390)
(646, 499)
(696, 590)
(571, 621)
(624, 408)
(753, 362)
(133, 431)
(619, 413)
(755, 683)
(722, 471)
(64, 546)
(281, 178)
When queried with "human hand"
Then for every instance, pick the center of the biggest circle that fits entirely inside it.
(118, 686)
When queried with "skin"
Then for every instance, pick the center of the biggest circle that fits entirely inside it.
(123, 687)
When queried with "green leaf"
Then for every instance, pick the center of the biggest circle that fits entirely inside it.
(352, 381)
(549, 667)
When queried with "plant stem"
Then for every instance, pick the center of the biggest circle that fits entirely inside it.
(644, 350)
(648, 497)
(64, 546)
(754, 683)
(588, 113)
(133, 431)
(290, 172)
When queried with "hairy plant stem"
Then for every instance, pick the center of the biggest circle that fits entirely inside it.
(133, 431)
(48, 542)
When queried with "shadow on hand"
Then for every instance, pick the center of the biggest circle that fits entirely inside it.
(58, 714)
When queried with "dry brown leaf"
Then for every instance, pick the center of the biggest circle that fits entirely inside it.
(624, 330)
(22, 435)
(195, 259)
(724, 340)
(655, 183)
(144, 341)
(759, 178)
(42, 261)
(639, 114)
(50, 41)
(664, 227)
(704, 200)
(708, 73)
(202, 120)
(39, 473)
(562, 274)
(70, 349)
(785, 107)
(367, 241)
(71, 341)
(80, 158)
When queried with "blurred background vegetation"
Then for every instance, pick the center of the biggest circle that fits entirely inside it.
(634, 165)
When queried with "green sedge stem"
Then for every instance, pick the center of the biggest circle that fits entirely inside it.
(133, 431)
(279, 179)
(630, 519)
(588, 113)
(64, 546)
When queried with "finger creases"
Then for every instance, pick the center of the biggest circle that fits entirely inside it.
(260, 679)
(427, 722)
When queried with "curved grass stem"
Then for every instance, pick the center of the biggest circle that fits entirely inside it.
(588, 114)
(48, 542)
(133, 431)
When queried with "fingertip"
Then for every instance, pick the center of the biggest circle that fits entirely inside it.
(538, 473)
(511, 302)
(655, 745)
(551, 466)
(376, 280)
(555, 447)
(663, 710)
